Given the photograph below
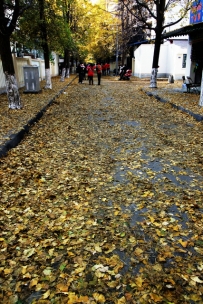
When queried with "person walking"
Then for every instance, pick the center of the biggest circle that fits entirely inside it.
(108, 68)
(99, 72)
(90, 73)
(80, 71)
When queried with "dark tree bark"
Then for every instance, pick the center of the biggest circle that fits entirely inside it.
(45, 45)
(160, 11)
(66, 64)
(7, 26)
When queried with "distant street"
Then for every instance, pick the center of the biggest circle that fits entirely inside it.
(102, 202)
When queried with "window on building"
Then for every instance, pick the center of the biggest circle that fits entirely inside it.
(184, 61)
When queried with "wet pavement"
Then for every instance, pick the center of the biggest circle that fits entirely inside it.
(102, 202)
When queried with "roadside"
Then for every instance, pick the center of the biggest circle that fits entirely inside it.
(15, 123)
(172, 92)
(101, 202)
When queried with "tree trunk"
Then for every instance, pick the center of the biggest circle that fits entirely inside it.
(201, 94)
(160, 8)
(63, 74)
(8, 68)
(68, 65)
(45, 45)
(155, 66)
(67, 72)
(48, 84)
(153, 79)
(65, 64)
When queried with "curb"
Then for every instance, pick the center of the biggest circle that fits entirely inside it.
(16, 138)
(197, 117)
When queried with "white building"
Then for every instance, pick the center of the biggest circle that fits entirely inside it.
(172, 59)
(173, 52)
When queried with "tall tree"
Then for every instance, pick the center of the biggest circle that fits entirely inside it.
(102, 28)
(45, 45)
(10, 11)
(68, 16)
(151, 15)
(49, 32)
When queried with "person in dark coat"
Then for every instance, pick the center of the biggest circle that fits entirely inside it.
(123, 71)
(81, 72)
(99, 72)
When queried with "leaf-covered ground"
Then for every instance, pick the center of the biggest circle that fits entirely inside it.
(102, 202)
(12, 121)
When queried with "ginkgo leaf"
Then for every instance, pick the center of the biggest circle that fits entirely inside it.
(47, 271)
(99, 297)
(196, 279)
(121, 301)
(46, 294)
(138, 251)
(156, 298)
(183, 243)
(139, 281)
(33, 282)
(62, 287)
(29, 252)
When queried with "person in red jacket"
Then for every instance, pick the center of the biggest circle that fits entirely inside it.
(90, 73)
(108, 68)
(104, 69)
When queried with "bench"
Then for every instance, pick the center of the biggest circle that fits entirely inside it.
(191, 85)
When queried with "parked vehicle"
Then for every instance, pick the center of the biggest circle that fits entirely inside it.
(127, 75)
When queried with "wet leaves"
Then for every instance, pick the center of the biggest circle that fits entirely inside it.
(102, 203)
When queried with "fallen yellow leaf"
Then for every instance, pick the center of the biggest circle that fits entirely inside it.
(33, 282)
(99, 297)
(46, 294)
(139, 281)
(156, 298)
(62, 287)
(183, 243)
(138, 251)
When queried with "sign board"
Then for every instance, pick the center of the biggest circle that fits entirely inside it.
(196, 12)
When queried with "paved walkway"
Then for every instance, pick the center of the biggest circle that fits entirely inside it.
(101, 202)
(14, 124)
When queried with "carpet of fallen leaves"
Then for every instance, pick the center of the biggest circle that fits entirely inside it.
(102, 201)
(173, 92)
(12, 121)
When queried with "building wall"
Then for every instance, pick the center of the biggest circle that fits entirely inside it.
(20, 62)
(170, 59)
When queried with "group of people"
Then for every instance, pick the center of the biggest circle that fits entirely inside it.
(105, 69)
(89, 69)
(101, 70)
